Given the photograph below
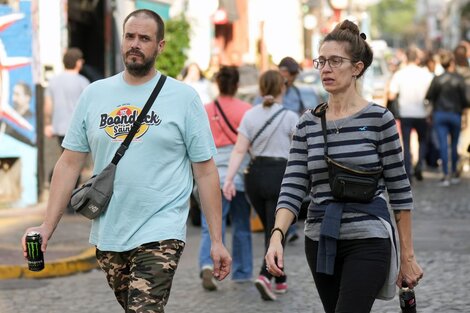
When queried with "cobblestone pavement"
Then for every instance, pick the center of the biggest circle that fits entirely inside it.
(442, 244)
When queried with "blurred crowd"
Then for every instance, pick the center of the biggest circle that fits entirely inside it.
(429, 94)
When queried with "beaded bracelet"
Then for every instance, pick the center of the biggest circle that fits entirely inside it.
(280, 230)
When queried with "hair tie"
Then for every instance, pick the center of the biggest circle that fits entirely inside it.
(363, 36)
(268, 99)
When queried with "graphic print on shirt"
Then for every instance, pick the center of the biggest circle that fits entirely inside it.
(118, 123)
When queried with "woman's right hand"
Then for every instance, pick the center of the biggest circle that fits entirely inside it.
(229, 189)
(275, 257)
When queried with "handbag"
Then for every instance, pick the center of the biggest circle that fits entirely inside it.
(348, 182)
(92, 198)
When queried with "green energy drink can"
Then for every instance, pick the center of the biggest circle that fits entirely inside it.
(34, 253)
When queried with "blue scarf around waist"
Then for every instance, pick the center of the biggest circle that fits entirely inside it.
(330, 226)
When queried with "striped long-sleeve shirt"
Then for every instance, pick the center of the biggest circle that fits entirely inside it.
(368, 138)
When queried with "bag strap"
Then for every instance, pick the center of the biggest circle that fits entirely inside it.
(225, 117)
(320, 111)
(269, 121)
(138, 122)
(302, 105)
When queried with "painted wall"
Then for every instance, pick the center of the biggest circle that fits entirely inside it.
(17, 97)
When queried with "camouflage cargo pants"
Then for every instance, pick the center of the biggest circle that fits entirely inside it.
(141, 278)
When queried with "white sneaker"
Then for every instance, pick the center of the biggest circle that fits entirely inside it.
(444, 182)
(208, 281)
(455, 179)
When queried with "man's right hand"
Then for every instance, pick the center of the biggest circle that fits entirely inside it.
(45, 232)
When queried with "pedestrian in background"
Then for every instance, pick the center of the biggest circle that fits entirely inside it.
(62, 93)
(350, 246)
(432, 146)
(225, 115)
(61, 98)
(141, 236)
(409, 85)
(447, 94)
(193, 76)
(463, 68)
(292, 100)
(265, 133)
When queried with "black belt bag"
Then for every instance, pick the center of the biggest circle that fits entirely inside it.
(351, 183)
(348, 182)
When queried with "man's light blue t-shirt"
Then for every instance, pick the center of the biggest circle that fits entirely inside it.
(154, 178)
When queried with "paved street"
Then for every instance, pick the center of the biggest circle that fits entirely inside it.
(442, 244)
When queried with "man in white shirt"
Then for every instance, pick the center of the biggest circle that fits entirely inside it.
(410, 85)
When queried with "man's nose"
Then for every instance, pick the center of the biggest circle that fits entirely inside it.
(135, 43)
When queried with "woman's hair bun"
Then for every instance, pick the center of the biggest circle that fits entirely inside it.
(363, 36)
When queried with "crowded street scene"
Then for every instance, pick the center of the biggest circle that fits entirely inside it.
(234, 156)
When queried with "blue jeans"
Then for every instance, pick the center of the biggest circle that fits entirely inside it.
(242, 255)
(448, 123)
(421, 127)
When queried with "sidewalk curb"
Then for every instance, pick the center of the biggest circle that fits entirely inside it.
(84, 262)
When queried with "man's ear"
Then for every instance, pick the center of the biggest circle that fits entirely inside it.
(161, 46)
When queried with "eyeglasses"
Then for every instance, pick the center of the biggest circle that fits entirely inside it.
(334, 61)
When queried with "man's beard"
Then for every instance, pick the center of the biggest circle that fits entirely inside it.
(139, 69)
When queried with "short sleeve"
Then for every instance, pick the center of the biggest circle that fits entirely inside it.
(198, 136)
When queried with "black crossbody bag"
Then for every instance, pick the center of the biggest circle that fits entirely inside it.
(348, 182)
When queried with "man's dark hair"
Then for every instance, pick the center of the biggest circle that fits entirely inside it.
(71, 57)
(151, 14)
(227, 80)
(290, 65)
(460, 54)
(446, 57)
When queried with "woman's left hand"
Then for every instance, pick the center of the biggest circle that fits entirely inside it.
(410, 271)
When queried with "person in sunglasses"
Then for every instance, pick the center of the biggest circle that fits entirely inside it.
(349, 245)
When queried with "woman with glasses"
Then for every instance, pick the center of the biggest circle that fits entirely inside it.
(349, 244)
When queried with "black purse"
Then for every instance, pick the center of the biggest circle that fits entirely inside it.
(348, 182)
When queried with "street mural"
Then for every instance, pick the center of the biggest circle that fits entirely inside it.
(17, 102)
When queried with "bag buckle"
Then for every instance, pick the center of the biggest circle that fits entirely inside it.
(121, 150)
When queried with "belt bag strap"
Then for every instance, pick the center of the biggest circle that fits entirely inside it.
(320, 111)
(138, 122)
